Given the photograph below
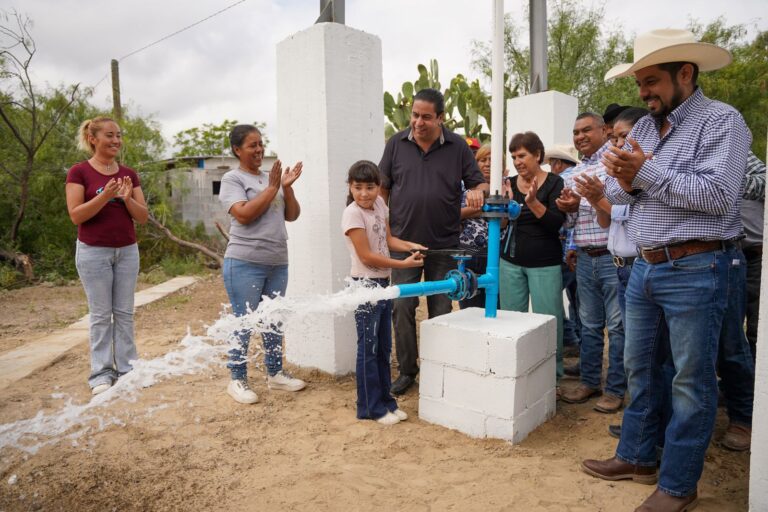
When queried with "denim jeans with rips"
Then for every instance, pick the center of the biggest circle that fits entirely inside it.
(246, 283)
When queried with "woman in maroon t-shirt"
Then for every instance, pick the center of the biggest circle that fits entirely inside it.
(103, 200)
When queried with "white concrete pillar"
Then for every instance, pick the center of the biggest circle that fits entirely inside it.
(330, 114)
(758, 470)
(488, 377)
(549, 114)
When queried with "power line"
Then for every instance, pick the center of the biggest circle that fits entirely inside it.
(180, 30)
(170, 36)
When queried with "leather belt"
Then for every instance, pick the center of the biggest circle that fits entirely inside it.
(681, 250)
(623, 261)
(596, 251)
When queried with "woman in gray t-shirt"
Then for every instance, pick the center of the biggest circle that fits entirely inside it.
(256, 259)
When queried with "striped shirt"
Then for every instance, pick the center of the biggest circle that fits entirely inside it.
(586, 231)
(691, 187)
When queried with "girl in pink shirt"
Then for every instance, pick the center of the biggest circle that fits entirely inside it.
(366, 228)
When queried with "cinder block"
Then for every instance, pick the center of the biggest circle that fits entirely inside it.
(498, 428)
(507, 345)
(447, 415)
(532, 417)
(496, 376)
(444, 343)
(541, 380)
(487, 394)
(517, 353)
(431, 379)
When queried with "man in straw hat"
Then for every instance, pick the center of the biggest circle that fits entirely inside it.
(562, 159)
(681, 172)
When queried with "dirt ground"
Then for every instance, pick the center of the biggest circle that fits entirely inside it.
(199, 450)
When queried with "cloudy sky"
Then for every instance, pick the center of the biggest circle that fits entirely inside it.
(225, 67)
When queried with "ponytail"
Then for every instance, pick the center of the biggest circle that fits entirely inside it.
(89, 128)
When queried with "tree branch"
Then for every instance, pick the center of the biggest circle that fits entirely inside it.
(21, 261)
(186, 243)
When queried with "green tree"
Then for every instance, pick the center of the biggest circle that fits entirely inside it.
(579, 53)
(209, 139)
(28, 116)
(744, 83)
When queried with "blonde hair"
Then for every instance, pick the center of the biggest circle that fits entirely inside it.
(484, 151)
(89, 128)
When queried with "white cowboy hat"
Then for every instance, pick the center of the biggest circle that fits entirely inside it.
(561, 152)
(671, 45)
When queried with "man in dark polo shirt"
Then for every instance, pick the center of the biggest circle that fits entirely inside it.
(423, 168)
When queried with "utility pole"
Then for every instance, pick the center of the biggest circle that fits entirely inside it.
(117, 109)
(538, 26)
(497, 98)
(331, 11)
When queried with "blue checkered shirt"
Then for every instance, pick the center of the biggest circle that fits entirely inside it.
(691, 188)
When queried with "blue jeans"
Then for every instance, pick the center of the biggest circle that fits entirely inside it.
(374, 348)
(599, 308)
(691, 295)
(572, 324)
(663, 355)
(246, 282)
(109, 279)
(735, 364)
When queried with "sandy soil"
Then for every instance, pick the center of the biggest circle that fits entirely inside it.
(199, 450)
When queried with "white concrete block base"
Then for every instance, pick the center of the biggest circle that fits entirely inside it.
(329, 112)
(488, 377)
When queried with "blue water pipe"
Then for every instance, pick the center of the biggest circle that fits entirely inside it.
(461, 283)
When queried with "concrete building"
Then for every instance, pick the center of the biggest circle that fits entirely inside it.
(194, 183)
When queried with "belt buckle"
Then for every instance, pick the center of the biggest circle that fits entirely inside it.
(618, 261)
(642, 253)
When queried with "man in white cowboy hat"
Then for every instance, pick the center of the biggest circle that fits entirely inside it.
(681, 171)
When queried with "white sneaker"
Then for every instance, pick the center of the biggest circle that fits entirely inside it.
(388, 419)
(284, 381)
(401, 415)
(100, 388)
(240, 392)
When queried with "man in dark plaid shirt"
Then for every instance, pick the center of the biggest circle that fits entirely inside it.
(682, 173)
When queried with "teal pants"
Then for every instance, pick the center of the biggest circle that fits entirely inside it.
(544, 286)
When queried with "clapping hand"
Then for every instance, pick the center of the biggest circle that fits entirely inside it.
(112, 188)
(568, 201)
(292, 174)
(533, 189)
(624, 165)
(590, 187)
(126, 189)
(275, 174)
